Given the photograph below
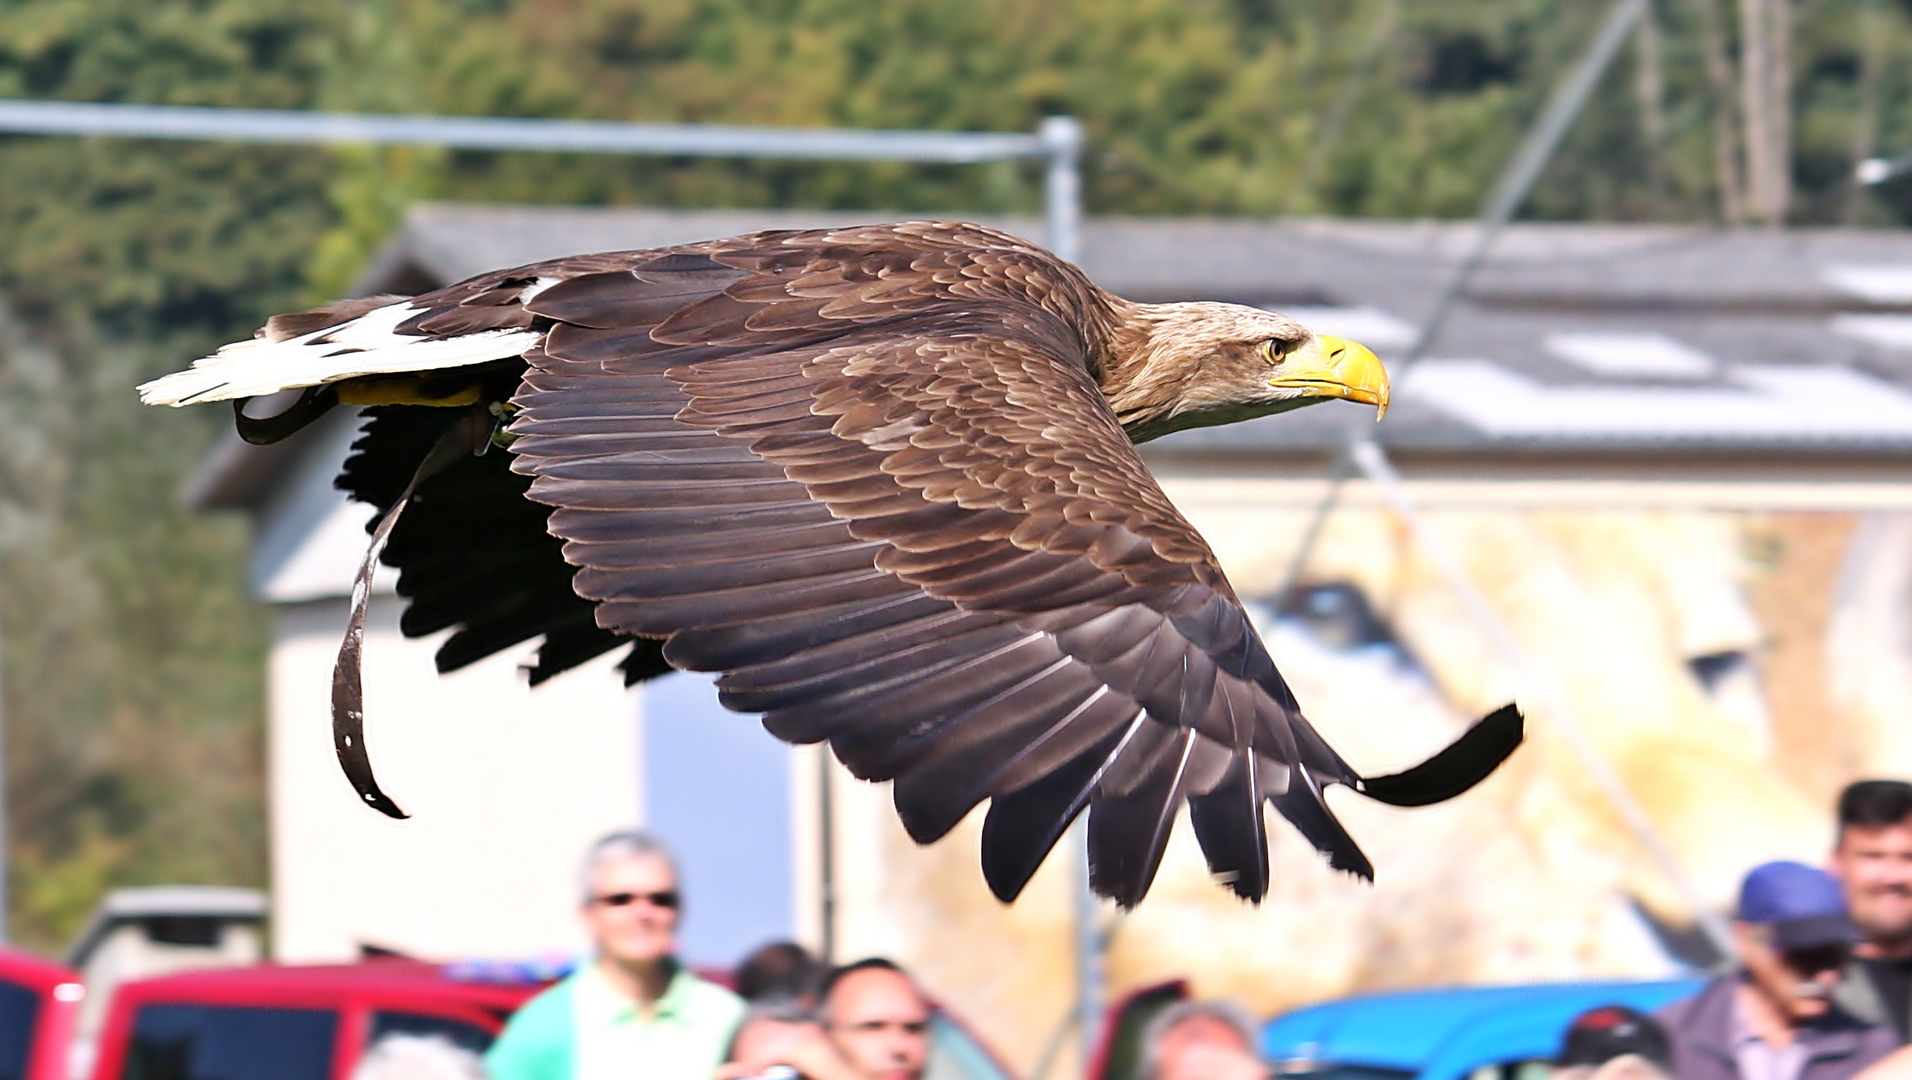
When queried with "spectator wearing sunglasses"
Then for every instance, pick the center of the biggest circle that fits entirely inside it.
(1774, 1018)
(630, 1010)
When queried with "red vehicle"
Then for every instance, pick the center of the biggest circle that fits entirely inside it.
(39, 1002)
(291, 1023)
(1118, 1053)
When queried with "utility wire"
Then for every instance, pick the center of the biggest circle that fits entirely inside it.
(1510, 190)
(1364, 453)
(1344, 104)
(1374, 464)
(1536, 150)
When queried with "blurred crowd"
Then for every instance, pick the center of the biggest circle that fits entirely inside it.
(1820, 988)
(633, 1011)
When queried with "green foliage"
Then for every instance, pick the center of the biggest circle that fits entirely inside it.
(133, 659)
(1202, 106)
(133, 656)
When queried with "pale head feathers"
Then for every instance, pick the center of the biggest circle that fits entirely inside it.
(1173, 366)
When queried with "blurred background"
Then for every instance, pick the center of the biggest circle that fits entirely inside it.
(1722, 591)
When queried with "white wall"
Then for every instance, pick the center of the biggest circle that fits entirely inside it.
(506, 787)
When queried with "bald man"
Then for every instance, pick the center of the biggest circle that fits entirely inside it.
(877, 1019)
(872, 1023)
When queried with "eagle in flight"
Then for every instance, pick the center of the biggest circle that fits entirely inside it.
(884, 480)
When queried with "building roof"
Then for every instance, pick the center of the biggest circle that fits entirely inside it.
(1574, 336)
(1583, 351)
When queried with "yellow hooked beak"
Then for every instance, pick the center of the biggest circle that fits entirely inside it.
(1335, 367)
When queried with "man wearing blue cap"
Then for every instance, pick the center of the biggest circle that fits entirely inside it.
(1774, 1018)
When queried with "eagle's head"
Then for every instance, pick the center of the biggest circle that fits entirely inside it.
(1202, 364)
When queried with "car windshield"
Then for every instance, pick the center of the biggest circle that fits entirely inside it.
(460, 1033)
(220, 1042)
(19, 1010)
(1343, 1071)
(1514, 1070)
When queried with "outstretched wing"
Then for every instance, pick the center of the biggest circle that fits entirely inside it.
(867, 476)
(913, 528)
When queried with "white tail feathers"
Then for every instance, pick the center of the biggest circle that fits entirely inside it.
(366, 345)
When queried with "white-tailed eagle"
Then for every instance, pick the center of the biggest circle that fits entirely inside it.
(884, 480)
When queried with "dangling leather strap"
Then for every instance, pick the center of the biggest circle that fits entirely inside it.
(348, 689)
(314, 402)
(1465, 762)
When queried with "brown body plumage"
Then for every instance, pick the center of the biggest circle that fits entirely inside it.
(881, 478)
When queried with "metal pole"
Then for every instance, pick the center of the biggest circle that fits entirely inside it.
(513, 133)
(5, 907)
(1062, 199)
(12, 337)
(826, 858)
(1062, 185)
(1088, 950)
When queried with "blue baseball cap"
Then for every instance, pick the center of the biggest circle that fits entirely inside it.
(1802, 906)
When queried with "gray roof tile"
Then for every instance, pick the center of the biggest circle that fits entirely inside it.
(1800, 324)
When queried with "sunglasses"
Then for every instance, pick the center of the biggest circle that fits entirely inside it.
(872, 1027)
(1814, 961)
(667, 899)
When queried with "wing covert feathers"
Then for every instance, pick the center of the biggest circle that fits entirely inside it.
(867, 475)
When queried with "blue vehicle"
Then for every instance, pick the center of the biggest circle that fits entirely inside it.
(1474, 1033)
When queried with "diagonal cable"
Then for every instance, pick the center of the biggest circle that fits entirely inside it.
(1510, 190)
(1364, 453)
(1373, 463)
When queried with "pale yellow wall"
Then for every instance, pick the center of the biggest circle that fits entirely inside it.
(506, 787)
(1527, 878)
(1868, 646)
(1530, 876)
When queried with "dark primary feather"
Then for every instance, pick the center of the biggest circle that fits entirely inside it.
(1228, 826)
(509, 588)
(867, 475)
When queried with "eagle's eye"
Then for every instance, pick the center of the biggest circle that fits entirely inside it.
(1274, 349)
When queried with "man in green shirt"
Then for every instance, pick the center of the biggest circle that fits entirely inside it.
(630, 1012)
